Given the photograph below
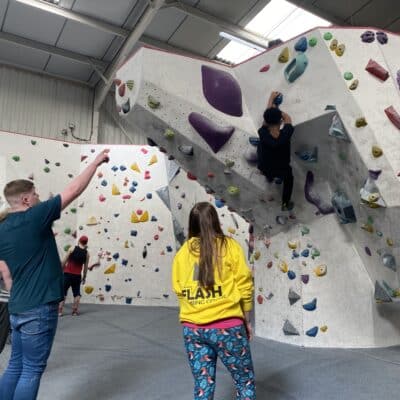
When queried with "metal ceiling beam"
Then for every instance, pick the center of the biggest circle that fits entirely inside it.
(74, 16)
(20, 41)
(144, 21)
(225, 26)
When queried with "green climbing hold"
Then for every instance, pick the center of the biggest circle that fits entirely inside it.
(342, 156)
(73, 210)
(33, 142)
(360, 122)
(67, 247)
(57, 164)
(370, 220)
(348, 76)
(328, 36)
(16, 158)
(67, 231)
(130, 84)
(169, 133)
(233, 190)
(305, 230)
(229, 163)
(153, 103)
(46, 169)
(312, 42)
(315, 253)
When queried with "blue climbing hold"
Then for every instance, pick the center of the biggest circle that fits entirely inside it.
(278, 99)
(115, 256)
(107, 288)
(124, 262)
(301, 44)
(114, 168)
(149, 195)
(154, 218)
(295, 254)
(103, 182)
(169, 249)
(219, 203)
(133, 233)
(134, 183)
(311, 306)
(132, 189)
(254, 140)
(122, 167)
(305, 253)
(312, 332)
(291, 275)
(296, 67)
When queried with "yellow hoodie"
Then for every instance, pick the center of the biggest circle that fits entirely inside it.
(231, 295)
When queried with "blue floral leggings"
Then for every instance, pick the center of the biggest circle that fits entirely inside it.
(231, 345)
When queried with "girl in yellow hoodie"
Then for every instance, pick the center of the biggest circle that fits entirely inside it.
(215, 291)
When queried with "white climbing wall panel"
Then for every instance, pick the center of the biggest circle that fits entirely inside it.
(336, 308)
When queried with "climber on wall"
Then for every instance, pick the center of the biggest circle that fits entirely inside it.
(273, 149)
(75, 260)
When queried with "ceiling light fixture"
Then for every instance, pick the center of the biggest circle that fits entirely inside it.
(241, 41)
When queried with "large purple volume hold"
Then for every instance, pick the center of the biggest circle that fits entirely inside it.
(222, 91)
(215, 136)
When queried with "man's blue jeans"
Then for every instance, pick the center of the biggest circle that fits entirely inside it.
(32, 338)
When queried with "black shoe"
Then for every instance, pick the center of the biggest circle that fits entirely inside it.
(287, 206)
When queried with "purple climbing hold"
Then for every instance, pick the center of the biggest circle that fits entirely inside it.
(381, 37)
(222, 91)
(214, 135)
(305, 278)
(314, 198)
(368, 37)
(368, 251)
(374, 174)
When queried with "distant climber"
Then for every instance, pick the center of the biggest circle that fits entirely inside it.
(273, 149)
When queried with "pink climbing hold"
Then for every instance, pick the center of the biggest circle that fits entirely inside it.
(139, 212)
(121, 90)
(126, 196)
(377, 70)
(156, 237)
(102, 198)
(143, 150)
(265, 68)
(393, 116)
(83, 158)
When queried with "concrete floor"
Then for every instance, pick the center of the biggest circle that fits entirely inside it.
(123, 352)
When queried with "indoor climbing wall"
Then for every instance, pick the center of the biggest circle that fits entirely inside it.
(130, 230)
(320, 269)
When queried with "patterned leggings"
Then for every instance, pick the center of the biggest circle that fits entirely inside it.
(203, 346)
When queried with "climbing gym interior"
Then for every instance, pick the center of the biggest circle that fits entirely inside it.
(152, 81)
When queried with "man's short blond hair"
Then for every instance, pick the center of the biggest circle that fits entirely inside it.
(16, 188)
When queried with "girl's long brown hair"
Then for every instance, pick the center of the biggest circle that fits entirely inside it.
(205, 226)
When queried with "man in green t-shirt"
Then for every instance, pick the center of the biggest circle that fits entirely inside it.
(29, 249)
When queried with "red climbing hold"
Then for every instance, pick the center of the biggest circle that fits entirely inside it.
(260, 299)
(377, 70)
(191, 176)
(83, 158)
(210, 175)
(394, 116)
(265, 68)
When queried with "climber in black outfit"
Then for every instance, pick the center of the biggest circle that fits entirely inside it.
(273, 149)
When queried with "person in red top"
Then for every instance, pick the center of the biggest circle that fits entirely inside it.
(75, 259)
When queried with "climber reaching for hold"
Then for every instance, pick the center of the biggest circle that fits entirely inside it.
(273, 149)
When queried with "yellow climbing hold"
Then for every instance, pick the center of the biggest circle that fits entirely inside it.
(367, 227)
(321, 270)
(354, 85)
(324, 328)
(376, 151)
(389, 242)
(110, 269)
(333, 45)
(360, 122)
(115, 191)
(232, 231)
(126, 244)
(340, 50)
(284, 56)
(134, 218)
(169, 133)
(144, 217)
(373, 198)
(89, 289)
(257, 255)
(135, 167)
(283, 266)
(91, 221)
(153, 159)
(292, 244)
(130, 84)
